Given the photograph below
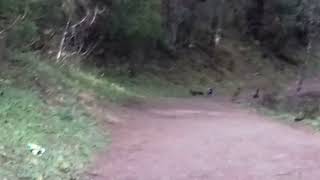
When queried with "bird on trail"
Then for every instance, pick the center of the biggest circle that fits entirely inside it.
(236, 94)
(256, 94)
(301, 116)
(196, 93)
(210, 92)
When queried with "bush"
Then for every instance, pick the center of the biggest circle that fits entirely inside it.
(36, 13)
(22, 34)
(137, 20)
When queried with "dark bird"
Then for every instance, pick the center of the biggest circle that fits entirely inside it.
(196, 93)
(210, 92)
(256, 94)
(236, 94)
(300, 117)
(299, 85)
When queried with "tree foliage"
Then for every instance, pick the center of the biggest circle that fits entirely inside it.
(27, 18)
(140, 21)
(137, 20)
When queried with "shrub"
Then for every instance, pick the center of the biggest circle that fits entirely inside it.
(36, 13)
(137, 20)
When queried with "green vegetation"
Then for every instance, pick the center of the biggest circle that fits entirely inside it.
(64, 131)
(26, 20)
(73, 79)
(138, 20)
(145, 48)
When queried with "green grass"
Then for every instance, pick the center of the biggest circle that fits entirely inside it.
(69, 135)
(105, 84)
(65, 132)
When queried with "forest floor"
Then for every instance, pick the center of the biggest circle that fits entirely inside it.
(205, 139)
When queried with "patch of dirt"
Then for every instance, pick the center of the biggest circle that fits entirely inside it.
(305, 103)
(205, 139)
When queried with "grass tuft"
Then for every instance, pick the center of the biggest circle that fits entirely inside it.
(65, 132)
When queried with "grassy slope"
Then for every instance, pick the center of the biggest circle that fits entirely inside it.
(65, 132)
(40, 105)
(105, 84)
(64, 129)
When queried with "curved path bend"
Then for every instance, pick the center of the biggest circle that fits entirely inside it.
(206, 139)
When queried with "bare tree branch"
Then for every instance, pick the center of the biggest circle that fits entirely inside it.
(97, 11)
(18, 19)
(75, 37)
(63, 40)
(82, 20)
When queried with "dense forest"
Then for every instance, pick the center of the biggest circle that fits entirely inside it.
(96, 28)
(65, 64)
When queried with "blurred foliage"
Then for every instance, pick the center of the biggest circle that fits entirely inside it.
(36, 15)
(65, 132)
(137, 20)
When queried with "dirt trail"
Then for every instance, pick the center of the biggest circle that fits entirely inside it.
(206, 139)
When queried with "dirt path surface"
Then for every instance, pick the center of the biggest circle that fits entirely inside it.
(206, 139)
